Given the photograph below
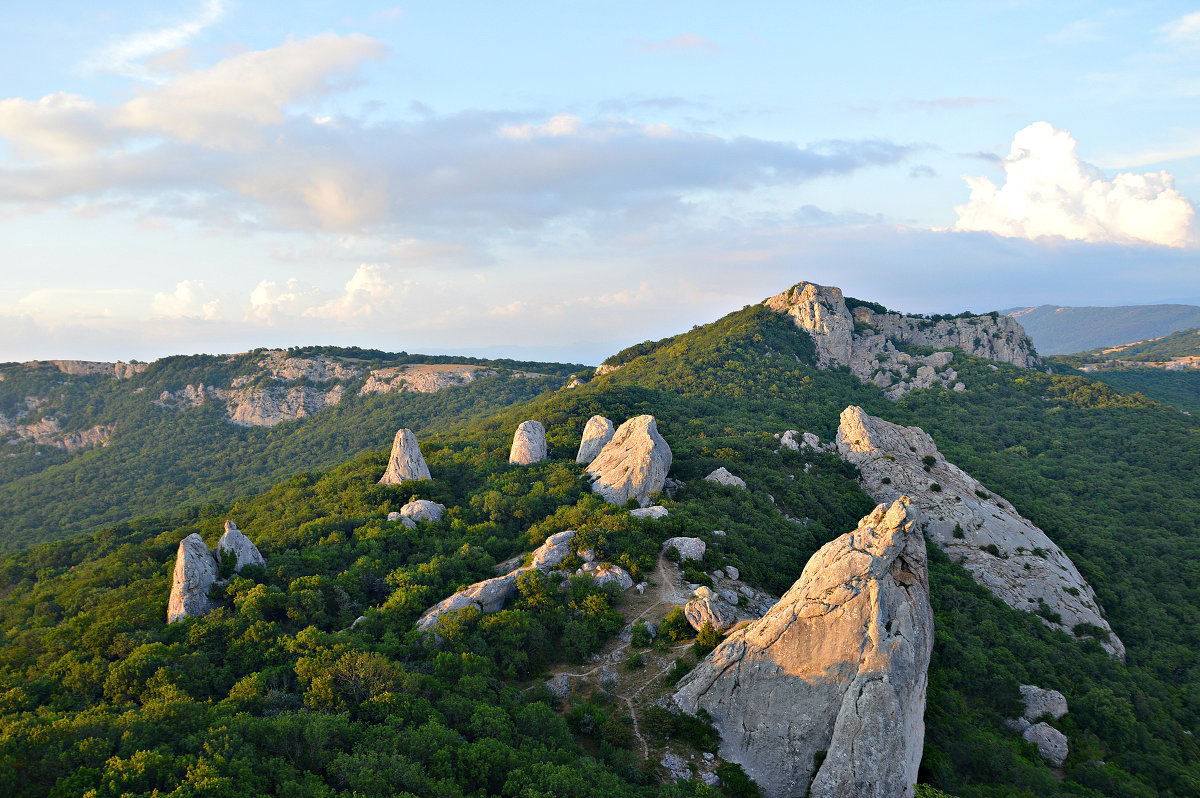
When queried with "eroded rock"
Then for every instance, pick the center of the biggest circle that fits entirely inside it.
(653, 512)
(420, 510)
(596, 433)
(1051, 743)
(633, 465)
(195, 573)
(240, 546)
(1040, 701)
(706, 607)
(529, 444)
(721, 476)
(406, 462)
(688, 548)
(550, 554)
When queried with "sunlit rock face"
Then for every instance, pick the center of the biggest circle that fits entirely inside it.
(195, 573)
(406, 462)
(236, 543)
(598, 432)
(529, 444)
(838, 665)
(633, 465)
(1003, 551)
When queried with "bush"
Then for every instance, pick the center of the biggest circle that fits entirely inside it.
(640, 635)
(675, 626)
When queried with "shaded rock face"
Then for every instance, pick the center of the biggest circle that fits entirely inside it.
(420, 510)
(1040, 701)
(195, 573)
(837, 665)
(688, 548)
(1025, 569)
(632, 465)
(487, 596)
(866, 341)
(529, 444)
(1051, 743)
(234, 541)
(406, 462)
(597, 432)
(721, 476)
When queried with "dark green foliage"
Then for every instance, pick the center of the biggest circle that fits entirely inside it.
(735, 783)
(696, 731)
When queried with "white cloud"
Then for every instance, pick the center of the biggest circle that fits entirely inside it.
(124, 56)
(269, 300)
(1049, 191)
(366, 293)
(190, 300)
(1183, 31)
(58, 125)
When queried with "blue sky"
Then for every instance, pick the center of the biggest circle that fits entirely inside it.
(559, 180)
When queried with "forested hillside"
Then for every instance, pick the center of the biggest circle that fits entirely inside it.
(274, 694)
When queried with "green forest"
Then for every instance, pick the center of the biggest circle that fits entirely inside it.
(279, 692)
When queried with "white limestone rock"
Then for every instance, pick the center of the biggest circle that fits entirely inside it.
(633, 465)
(607, 572)
(550, 554)
(1027, 570)
(596, 433)
(406, 463)
(653, 512)
(559, 686)
(707, 607)
(733, 572)
(420, 510)
(236, 542)
(487, 596)
(393, 516)
(422, 377)
(788, 440)
(267, 407)
(839, 665)
(721, 476)
(529, 444)
(195, 573)
(1051, 743)
(1040, 701)
(688, 548)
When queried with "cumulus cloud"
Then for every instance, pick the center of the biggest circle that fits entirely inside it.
(269, 300)
(190, 300)
(58, 125)
(366, 292)
(1049, 191)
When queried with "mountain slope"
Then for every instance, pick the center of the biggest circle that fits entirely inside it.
(1058, 330)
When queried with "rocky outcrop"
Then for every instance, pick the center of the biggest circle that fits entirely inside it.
(721, 476)
(707, 607)
(266, 407)
(190, 396)
(423, 377)
(420, 510)
(320, 368)
(46, 432)
(837, 665)
(550, 554)
(406, 462)
(633, 465)
(529, 444)
(1005, 552)
(607, 572)
(653, 512)
(865, 340)
(603, 369)
(1040, 701)
(1051, 743)
(195, 572)
(487, 597)
(597, 433)
(236, 543)
(688, 548)
(89, 368)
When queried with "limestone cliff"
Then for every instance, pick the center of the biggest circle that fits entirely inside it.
(423, 378)
(266, 407)
(1005, 552)
(865, 340)
(47, 432)
(838, 665)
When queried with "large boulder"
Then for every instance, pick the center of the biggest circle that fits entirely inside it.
(722, 476)
(607, 572)
(1004, 552)
(240, 546)
(195, 571)
(598, 432)
(688, 548)
(653, 512)
(550, 554)
(633, 465)
(420, 510)
(1051, 743)
(406, 462)
(529, 444)
(707, 607)
(487, 596)
(1040, 701)
(837, 665)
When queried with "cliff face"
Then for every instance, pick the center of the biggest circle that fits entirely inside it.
(266, 407)
(838, 665)
(1005, 552)
(866, 340)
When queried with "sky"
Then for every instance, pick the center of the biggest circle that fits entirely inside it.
(560, 180)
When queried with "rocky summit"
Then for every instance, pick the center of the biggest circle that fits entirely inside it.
(865, 339)
(406, 462)
(529, 444)
(596, 433)
(633, 465)
(195, 572)
(1004, 551)
(838, 665)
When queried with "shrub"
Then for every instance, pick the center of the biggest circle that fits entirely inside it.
(936, 488)
(958, 531)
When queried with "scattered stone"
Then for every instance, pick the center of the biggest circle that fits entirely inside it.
(839, 665)
(718, 574)
(596, 433)
(676, 766)
(653, 512)
(729, 596)
(240, 546)
(722, 477)
(607, 678)
(710, 778)
(641, 588)
(733, 573)
(406, 462)
(1051, 743)
(688, 548)
(420, 510)
(550, 554)
(559, 687)
(529, 444)
(633, 465)
(195, 572)
(719, 532)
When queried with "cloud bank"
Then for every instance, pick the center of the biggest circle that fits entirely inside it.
(1049, 191)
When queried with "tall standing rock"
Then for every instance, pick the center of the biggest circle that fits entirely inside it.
(406, 462)
(195, 572)
(1004, 552)
(234, 541)
(529, 444)
(633, 464)
(597, 433)
(838, 665)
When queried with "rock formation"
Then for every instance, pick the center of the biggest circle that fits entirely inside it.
(551, 553)
(1039, 701)
(529, 444)
(597, 432)
(406, 462)
(606, 572)
(266, 407)
(633, 465)
(240, 546)
(319, 368)
(721, 476)
(1003, 551)
(423, 377)
(837, 665)
(865, 340)
(87, 368)
(195, 573)
(653, 512)
(1051, 743)
(707, 607)
(688, 548)
(420, 510)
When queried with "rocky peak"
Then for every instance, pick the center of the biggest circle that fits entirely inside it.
(1003, 551)
(837, 665)
(822, 311)
(596, 433)
(240, 546)
(406, 462)
(632, 465)
(529, 444)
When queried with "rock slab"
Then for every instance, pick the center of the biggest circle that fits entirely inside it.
(633, 465)
(195, 572)
(406, 462)
(839, 665)
(596, 433)
(529, 444)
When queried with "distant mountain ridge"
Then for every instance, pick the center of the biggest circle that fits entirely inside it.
(1060, 330)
